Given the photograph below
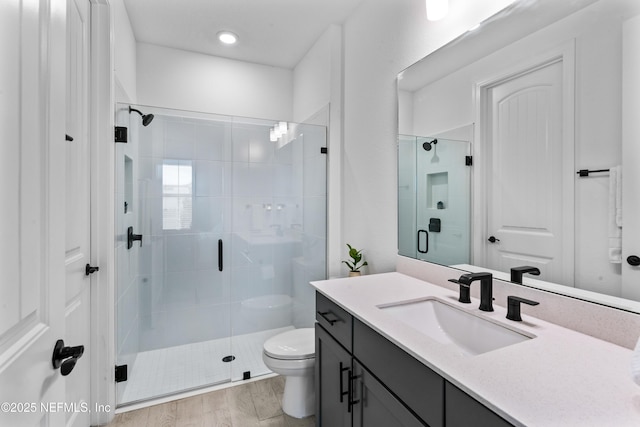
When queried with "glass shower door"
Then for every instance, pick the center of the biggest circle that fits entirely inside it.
(434, 199)
(173, 293)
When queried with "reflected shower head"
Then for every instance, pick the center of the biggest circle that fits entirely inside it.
(427, 145)
(146, 118)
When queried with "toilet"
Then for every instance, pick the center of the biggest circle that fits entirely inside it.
(292, 355)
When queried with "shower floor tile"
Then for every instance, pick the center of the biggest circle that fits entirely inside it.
(171, 370)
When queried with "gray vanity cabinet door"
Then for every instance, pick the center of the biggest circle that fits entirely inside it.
(333, 367)
(375, 406)
(419, 388)
(462, 410)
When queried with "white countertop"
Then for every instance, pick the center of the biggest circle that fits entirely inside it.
(560, 378)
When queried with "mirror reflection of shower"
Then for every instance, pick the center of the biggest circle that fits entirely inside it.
(428, 145)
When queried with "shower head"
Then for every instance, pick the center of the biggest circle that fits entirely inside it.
(427, 145)
(146, 118)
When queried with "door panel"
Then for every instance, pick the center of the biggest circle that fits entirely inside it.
(630, 157)
(525, 184)
(31, 221)
(77, 230)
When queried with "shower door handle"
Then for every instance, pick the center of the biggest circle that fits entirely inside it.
(426, 241)
(220, 260)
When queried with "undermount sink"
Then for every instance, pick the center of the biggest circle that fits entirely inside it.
(469, 334)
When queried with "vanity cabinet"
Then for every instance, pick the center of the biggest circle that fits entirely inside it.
(365, 380)
(347, 394)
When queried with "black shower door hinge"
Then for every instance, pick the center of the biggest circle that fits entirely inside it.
(121, 373)
(323, 150)
(468, 160)
(121, 134)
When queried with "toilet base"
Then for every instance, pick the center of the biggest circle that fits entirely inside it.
(298, 400)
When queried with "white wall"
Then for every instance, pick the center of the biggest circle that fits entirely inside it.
(184, 80)
(124, 55)
(381, 38)
(317, 85)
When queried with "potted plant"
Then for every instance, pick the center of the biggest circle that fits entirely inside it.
(356, 263)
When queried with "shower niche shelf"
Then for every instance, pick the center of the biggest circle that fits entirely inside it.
(438, 190)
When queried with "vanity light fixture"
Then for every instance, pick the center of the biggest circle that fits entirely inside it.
(278, 130)
(227, 37)
(437, 9)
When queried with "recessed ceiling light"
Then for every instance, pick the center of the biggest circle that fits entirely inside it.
(437, 9)
(227, 37)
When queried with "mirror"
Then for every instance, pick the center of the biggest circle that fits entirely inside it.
(544, 96)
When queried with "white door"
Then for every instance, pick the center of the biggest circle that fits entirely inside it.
(77, 228)
(526, 190)
(32, 158)
(630, 157)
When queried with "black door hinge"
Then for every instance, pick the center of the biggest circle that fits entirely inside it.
(468, 160)
(121, 373)
(121, 134)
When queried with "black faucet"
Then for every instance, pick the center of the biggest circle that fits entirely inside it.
(517, 272)
(486, 288)
(513, 307)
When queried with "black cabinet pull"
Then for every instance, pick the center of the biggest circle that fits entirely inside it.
(220, 260)
(324, 316)
(343, 393)
(351, 394)
(426, 241)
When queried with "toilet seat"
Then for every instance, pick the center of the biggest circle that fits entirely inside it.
(296, 344)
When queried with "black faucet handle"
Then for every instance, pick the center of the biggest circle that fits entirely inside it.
(513, 307)
(517, 272)
(465, 291)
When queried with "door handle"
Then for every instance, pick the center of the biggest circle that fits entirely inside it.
(66, 358)
(633, 260)
(426, 241)
(88, 269)
(493, 239)
(220, 260)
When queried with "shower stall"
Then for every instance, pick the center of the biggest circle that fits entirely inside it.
(434, 199)
(221, 224)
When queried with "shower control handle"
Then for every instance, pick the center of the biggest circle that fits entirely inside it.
(133, 237)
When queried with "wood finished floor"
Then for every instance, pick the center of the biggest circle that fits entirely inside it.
(253, 404)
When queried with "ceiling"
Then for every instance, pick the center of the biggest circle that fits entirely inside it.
(271, 32)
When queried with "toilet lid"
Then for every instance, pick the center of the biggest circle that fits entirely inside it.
(294, 344)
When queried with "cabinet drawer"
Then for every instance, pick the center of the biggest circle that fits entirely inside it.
(420, 388)
(334, 320)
